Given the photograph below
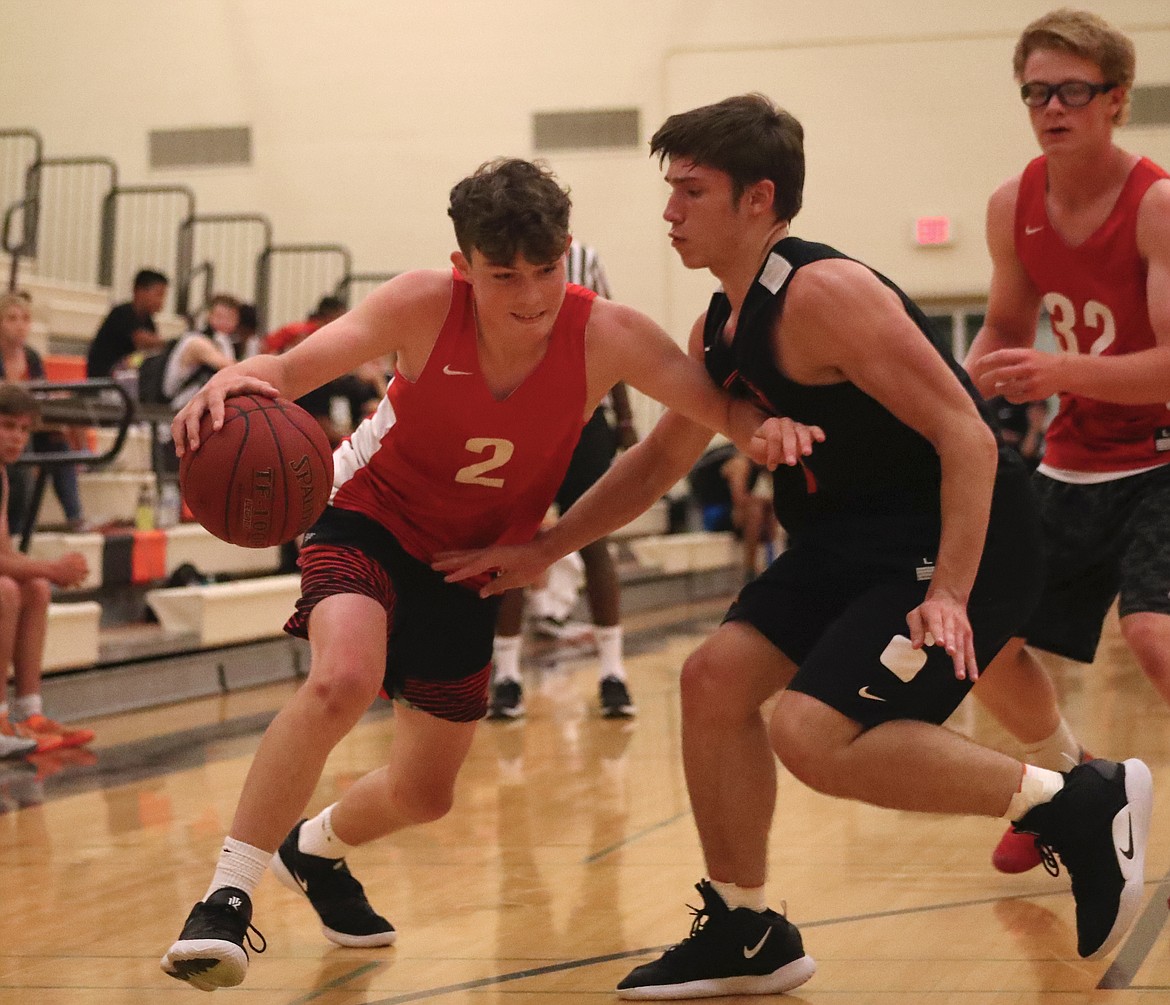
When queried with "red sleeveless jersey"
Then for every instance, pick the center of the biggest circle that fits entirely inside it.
(442, 464)
(1095, 296)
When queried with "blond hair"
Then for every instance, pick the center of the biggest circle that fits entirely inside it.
(1083, 34)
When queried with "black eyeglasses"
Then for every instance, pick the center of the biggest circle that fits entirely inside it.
(1072, 93)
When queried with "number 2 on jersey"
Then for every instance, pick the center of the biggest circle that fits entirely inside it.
(501, 453)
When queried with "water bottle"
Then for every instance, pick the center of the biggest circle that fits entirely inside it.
(144, 510)
(169, 505)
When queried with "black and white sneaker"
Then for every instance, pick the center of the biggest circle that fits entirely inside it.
(507, 701)
(209, 952)
(615, 700)
(729, 952)
(339, 900)
(1098, 824)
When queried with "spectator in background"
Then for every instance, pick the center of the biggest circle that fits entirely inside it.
(199, 354)
(129, 327)
(596, 449)
(247, 341)
(20, 362)
(25, 590)
(722, 483)
(285, 338)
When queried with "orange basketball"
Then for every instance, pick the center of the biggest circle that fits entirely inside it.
(263, 478)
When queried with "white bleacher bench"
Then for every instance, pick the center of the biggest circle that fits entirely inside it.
(222, 614)
(72, 637)
(46, 546)
(696, 552)
(106, 496)
(190, 542)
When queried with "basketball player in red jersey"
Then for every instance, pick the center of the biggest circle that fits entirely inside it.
(498, 366)
(1083, 232)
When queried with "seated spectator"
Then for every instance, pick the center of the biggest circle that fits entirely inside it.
(20, 362)
(129, 327)
(25, 590)
(199, 354)
(723, 484)
(285, 338)
(248, 342)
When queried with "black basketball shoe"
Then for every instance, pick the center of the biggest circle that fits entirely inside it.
(507, 700)
(729, 952)
(614, 698)
(209, 952)
(1098, 824)
(339, 900)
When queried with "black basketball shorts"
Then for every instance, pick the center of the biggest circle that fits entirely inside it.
(1107, 540)
(439, 634)
(591, 459)
(840, 614)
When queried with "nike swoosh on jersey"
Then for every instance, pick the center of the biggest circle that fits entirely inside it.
(455, 373)
(864, 692)
(1032, 230)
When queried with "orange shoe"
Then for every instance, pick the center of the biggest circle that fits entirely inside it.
(45, 741)
(43, 726)
(1017, 852)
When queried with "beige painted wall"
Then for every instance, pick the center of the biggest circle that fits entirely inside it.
(364, 112)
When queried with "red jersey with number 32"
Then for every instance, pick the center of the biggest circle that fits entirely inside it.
(1095, 296)
(443, 464)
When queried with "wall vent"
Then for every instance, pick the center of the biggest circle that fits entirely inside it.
(586, 130)
(210, 146)
(1151, 105)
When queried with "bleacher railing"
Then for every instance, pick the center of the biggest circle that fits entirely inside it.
(20, 149)
(223, 246)
(141, 227)
(291, 279)
(63, 211)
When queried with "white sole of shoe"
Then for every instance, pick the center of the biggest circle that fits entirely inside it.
(1131, 831)
(286, 878)
(788, 977)
(228, 969)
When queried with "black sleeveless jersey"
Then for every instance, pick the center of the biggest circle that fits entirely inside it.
(874, 483)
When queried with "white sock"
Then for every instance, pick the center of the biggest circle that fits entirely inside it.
(506, 657)
(240, 865)
(609, 648)
(28, 704)
(317, 837)
(1058, 752)
(751, 897)
(1037, 785)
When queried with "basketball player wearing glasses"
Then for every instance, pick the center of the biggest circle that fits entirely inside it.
(1083, 232)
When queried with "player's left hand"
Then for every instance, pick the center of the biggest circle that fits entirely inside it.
(1020, 375)
(781, 440)
(511, 565)
(944, 618)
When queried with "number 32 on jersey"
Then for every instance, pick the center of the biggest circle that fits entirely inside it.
(1062, 314)
(499, 452)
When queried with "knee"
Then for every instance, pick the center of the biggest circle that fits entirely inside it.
(1148, 636)
(708, 686)
(9, 594)
(36, 593)
(343, 689)
(795, 742)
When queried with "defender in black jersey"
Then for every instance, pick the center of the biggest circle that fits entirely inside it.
(914, 555)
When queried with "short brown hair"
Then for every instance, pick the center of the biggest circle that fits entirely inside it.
(1086, 35)
(15, 400)
(747, 137)
(511, 207)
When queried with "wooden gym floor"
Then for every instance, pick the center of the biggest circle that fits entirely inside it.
(568, 859)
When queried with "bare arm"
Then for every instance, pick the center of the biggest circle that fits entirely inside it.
(840, 321)
(1138, 378)
(144, 338)
(402, 316)
(1013, 304)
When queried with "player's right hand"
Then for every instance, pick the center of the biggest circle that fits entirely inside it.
(210, 399)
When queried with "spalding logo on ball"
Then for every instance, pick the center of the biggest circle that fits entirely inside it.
(264, 477)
